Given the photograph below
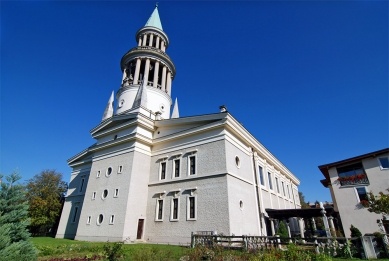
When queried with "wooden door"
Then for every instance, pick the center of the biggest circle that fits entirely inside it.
(140, 229)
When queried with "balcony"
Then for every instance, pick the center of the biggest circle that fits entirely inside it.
(356, 180)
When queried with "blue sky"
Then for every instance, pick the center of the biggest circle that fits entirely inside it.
(309, 79)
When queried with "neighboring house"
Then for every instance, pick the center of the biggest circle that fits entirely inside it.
(156, 177)
(349, 180)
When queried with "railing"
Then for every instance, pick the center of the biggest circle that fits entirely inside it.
(353, 181)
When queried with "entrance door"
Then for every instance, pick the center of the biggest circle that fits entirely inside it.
(140, 229)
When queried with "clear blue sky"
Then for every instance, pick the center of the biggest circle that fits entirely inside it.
(309, 79)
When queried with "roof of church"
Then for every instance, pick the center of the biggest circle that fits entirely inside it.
(154, 19)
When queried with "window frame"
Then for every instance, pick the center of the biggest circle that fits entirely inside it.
(157, 209)
(172, 209)
(194, 156)
(188, 208)
(174, 168)
(164, 162)
(380, 163)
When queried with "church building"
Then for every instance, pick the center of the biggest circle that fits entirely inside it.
(153, 176)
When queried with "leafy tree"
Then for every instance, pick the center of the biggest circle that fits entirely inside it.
(378, 204)
(45, 193)
(14, 243)
(355, 232)
(302, 201)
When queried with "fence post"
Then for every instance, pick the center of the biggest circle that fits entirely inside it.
(192, 243)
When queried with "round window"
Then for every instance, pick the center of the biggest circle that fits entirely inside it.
(237, 161)
(109, 171)
(105, 193)
(100, 219)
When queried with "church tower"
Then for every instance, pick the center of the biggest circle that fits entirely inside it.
(147, 72)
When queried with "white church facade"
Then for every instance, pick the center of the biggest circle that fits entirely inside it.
(154, 176)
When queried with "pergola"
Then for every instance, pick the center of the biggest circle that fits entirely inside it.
(303, 214)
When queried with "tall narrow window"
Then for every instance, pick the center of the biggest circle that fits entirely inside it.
(176, 168)
(159, 210)
(278, 188)
(163, 170)
(75, 214)
(261, 175)
(174, 214)
(82, 183)
(191, 208)
(270, 182)
(192, 165)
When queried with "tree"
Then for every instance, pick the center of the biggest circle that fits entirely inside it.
(355, 232)
(377, 204)
(14, 235)
(45, 193)
(302, 201)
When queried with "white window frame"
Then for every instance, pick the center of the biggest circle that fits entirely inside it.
(194, 155)
(116, 193)
(188, 207)
(160, 169)
(172, 209)
(356, 192)
(112, 219)
(120, 169)
(174, 168)
(94, 193)
(379, 162)
(75, 212)
(97, 219)
(157, 209)
(88, 220)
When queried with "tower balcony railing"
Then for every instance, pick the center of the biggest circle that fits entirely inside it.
(360, 179)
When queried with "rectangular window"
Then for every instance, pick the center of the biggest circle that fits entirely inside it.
(116, 193)
(261, 175)
(75, 214)
(270, 182)
(283, 188)
(362, 193)
(93, 195)
(192, 165)
(163, 170)
(191, 208)
(176, 168)
(112, 219)
(159, 210)
(88, 220)
(278, 188)
(82, 183)
(174, 209)
(384, 162)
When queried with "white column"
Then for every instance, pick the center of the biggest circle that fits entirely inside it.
(163, 83)
(140, 41)
(169, 83)
(151, 40)
(144, 40)
(156, 70)
(273, 231)
(301, 225)
(163, 48)
(157, 42)
(147, 70)
(137, 69)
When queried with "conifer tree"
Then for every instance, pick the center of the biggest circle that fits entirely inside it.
(14, 243)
